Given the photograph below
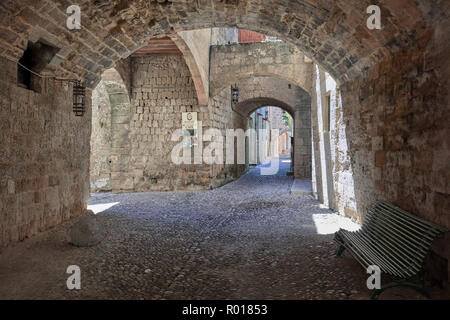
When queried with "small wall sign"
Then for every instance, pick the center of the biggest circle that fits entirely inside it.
(189, 120)
(189, 125)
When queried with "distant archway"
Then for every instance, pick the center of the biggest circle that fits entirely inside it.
(249, 106)
(301, 113)
(110, 129)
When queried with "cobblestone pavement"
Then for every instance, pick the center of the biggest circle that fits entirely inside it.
(249, 239)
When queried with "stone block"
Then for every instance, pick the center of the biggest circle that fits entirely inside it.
(85, 232)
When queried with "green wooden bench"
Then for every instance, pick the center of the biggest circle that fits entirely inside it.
(395, 241)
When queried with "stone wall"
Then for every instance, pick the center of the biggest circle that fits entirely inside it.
(230, 63)
(302, 136)
(223, 118)
(394, 84)
(100, 166)
(134, 151)
(111, 111)
(316, 170)
(398, 130)
(276, 119)
(333, 175)
(344, 189)
(123, 75)
(399, 145)
(44, 158)
(263, 91)
(162, 90)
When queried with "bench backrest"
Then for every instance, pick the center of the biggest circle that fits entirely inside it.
(404, 239)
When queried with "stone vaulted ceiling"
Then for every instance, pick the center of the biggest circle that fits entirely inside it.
(332, 33)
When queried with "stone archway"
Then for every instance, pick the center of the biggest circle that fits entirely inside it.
(328, 32)
(112, 138)
(232, 63)
(393, 81)
(301, 113)
(197, 59)
(255, 92)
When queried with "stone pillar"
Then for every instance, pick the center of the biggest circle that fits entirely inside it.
(323, 140)
(302, 136)
(121, 180)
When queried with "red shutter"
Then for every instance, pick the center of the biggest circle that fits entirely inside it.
(246, 36)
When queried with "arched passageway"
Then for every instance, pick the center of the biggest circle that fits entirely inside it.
(393, 82)
(300, 112)
(398, 71)
(110, 145)
(325, 31)
(270, 136)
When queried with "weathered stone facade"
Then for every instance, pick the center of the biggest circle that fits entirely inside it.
(344, 189)
(394, 84)
(398, 133)
(332, 172)
(162, 90)
(44, 167)
(100, 166)
(230, 63)
(223, 117)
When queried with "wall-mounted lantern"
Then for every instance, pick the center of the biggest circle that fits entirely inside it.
(234, 94)
(78, 99)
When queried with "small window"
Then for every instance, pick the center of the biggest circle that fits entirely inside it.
(34, 60)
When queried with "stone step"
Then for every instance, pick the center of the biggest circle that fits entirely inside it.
(301, 187)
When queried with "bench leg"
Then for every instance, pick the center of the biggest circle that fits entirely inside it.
(404, 283)
(340, 251)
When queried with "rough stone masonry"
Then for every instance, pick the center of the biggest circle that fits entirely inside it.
(393, 81)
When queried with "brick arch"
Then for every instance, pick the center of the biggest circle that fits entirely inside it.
(256, 89)
(332, 33)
